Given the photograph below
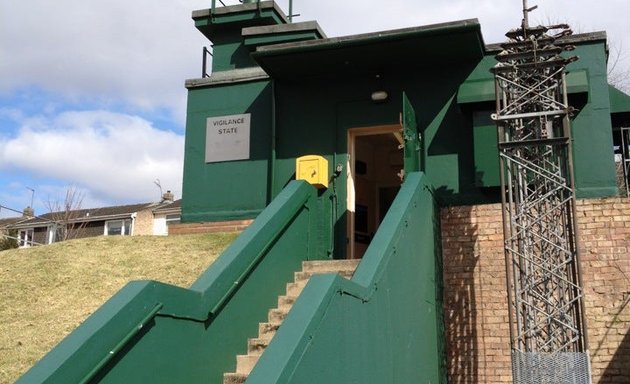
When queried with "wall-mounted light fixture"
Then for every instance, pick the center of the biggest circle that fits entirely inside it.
(379, 95)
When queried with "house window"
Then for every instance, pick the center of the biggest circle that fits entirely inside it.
(118, 227)
(25, 237)
(172, 219)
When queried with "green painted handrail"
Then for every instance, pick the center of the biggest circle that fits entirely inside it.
(214, 3)
(274, 232)
(237, 261)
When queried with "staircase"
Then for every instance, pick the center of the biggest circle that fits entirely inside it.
(266, 331)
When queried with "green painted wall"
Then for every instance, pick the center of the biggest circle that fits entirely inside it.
(224, 30)
(226, 190)
(314, 115)
(486, 150)
(229, 52)
(591, 126)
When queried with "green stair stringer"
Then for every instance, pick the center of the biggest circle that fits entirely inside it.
(159, 333)
(382, 326)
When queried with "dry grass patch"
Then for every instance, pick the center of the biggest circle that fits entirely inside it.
(47, 291)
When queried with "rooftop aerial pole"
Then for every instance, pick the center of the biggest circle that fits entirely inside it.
(546, 310)
(526, 12)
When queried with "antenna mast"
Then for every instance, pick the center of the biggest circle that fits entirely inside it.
(547, 325)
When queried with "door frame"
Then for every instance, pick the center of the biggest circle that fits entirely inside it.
(353, 133)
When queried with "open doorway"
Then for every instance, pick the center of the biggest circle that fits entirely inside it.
(374, 167)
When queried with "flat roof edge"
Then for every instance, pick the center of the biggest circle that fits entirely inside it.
(284, 28)
(366, 38)
(228, 77)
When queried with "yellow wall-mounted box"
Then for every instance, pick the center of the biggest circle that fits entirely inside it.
(313, 169)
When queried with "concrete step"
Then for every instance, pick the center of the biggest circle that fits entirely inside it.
(234, 378)
(286, 302)
(294, 289)
(305, 275)
(326, 266)
(277, 315)
(266, 331)
(257, 346)
(245, 363)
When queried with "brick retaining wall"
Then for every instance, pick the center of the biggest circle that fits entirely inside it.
(475, 302)
(208, 227)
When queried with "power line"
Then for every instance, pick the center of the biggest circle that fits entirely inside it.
(29, 216)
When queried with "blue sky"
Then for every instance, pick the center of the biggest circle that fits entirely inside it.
(92, 94)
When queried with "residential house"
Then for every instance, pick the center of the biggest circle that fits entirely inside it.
(123, 220)
(166, 215)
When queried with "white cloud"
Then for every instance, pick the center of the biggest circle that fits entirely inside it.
(496, 17)
(135, 55)
(110, 51)
(141, 52)
(115, 157)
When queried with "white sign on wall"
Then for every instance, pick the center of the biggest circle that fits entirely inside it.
(227, 138)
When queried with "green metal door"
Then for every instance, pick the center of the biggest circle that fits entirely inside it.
(412, 141)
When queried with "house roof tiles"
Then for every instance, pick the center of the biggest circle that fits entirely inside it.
(84, 215)
(175, 206)
(6, 222)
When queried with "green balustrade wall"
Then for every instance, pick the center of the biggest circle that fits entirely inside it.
(384, 325)
(158, 333)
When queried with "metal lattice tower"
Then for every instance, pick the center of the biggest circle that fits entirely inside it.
(547, 327)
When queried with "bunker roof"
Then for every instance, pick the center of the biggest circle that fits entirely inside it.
(424, 46)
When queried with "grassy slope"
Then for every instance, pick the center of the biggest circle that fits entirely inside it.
(46, 292)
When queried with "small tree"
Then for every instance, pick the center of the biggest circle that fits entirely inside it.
(64, 215)
(618, 73)
(8, 240)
